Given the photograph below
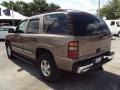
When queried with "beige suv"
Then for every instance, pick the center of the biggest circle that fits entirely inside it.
(70, 40)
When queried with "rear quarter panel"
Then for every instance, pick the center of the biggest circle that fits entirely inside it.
(57, 44)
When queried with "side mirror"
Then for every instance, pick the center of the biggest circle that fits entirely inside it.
(11, 30)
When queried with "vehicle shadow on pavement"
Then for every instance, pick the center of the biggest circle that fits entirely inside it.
(99, 80)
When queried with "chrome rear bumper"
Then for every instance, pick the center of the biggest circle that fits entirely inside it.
(92, 64)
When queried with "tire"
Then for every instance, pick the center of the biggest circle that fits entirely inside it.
(48, 70)
(10, 52)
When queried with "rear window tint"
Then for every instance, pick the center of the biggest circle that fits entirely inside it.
(87, 24)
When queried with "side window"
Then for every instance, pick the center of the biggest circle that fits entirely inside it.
(33, 26)
(112, 23)
(118, 24)
(55, 24)
(22, 26)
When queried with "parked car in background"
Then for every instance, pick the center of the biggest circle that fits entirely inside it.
(114, 26)
(4, 31)
(4, 24)
(74, 41)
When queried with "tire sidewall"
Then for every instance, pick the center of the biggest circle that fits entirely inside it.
(9, 55)
(54, 74)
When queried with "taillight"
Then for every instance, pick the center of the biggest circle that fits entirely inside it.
(73, 49)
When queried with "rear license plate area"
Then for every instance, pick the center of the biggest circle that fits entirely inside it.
(98, 60)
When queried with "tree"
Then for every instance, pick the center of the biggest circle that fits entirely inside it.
(53, 7)
(111, 10)
(32, 8)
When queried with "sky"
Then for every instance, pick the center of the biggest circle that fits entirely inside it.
(83, 5)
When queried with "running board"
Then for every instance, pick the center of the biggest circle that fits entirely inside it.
(23, 59)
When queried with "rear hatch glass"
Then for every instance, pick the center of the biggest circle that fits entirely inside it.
(84, 24)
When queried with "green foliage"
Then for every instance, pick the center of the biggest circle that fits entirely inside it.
(111, 10)
(32, 8)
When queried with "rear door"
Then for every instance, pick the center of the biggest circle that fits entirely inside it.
(92, 33)
(30, 38)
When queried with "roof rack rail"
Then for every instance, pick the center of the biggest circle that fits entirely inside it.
(57, 10)
(63, 10)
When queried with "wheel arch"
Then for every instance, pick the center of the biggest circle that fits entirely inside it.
(40, 51)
